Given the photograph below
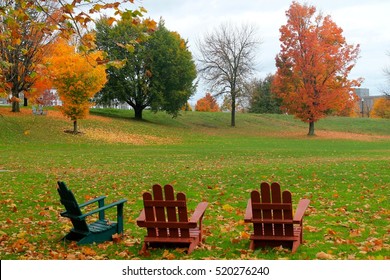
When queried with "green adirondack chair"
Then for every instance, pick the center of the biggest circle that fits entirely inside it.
(98, 231)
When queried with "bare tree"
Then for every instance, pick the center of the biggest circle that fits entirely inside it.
(227, 60)
(387, 73)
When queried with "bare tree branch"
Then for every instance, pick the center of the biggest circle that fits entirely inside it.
(227, 59)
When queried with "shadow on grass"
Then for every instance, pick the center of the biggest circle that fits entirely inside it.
(127, 115)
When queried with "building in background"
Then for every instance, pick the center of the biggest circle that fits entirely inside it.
(366, 101)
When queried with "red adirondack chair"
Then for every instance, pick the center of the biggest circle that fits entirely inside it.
(166, 219)
(271, 213)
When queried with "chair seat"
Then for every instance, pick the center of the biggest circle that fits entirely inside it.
(100, 226)
(194, 234)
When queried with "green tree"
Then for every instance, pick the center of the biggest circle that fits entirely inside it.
(158, 72)
(261, 98)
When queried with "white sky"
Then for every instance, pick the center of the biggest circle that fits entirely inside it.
(365, 22)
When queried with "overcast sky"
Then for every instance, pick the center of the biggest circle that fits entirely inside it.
(365, 22)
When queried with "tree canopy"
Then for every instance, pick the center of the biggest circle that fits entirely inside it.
(207, 104)
(158, 72)
(27, 26)
(261, 98)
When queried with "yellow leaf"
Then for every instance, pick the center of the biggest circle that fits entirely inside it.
(111, 20)
(88, 251)
(169, 256)
(355, 233)
(227, 208)
(116, 238)
(311, 229)
(324, 256)
(71, 257)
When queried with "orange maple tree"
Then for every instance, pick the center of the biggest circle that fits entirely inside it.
(382, 108)
(313, 66)
(77, 78)
(207, 104)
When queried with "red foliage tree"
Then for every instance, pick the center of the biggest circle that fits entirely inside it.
(207, 104)
(313, 66)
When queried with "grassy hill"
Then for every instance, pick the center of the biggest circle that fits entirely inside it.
(343, 170)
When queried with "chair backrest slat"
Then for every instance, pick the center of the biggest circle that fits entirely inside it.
(257, 227)
(287, 214)
(72, 207)
(160, 210)
(183, 215)
(171, 208)
(265, 191)
(272, 211)
(277, 213)
(149, 214)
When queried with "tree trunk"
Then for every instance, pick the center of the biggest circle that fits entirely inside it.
(15, 107)
(311, 129)
(138, 113)
(233, 119)
(25, 102)
(75, 129)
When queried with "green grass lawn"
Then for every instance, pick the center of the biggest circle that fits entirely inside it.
(344, 171)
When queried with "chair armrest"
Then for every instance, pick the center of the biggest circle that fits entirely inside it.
(199, 212)
(92, 201)
(117, 203)
(301, 208)
(141, 219)
(248, 213)
(99, 200)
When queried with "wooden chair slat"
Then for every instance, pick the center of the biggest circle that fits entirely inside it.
(287, 214)
(183, 216)
(277, 213)
(265, 191)
(273, 221)
(271, 206)
(165, 203)
(170, 225)
(171, 209)
(256, 213)
(149, 214)
(160, 210)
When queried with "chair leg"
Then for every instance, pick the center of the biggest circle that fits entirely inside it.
(144, 248)
(252, 245)
(191, 247)
(295, 246)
